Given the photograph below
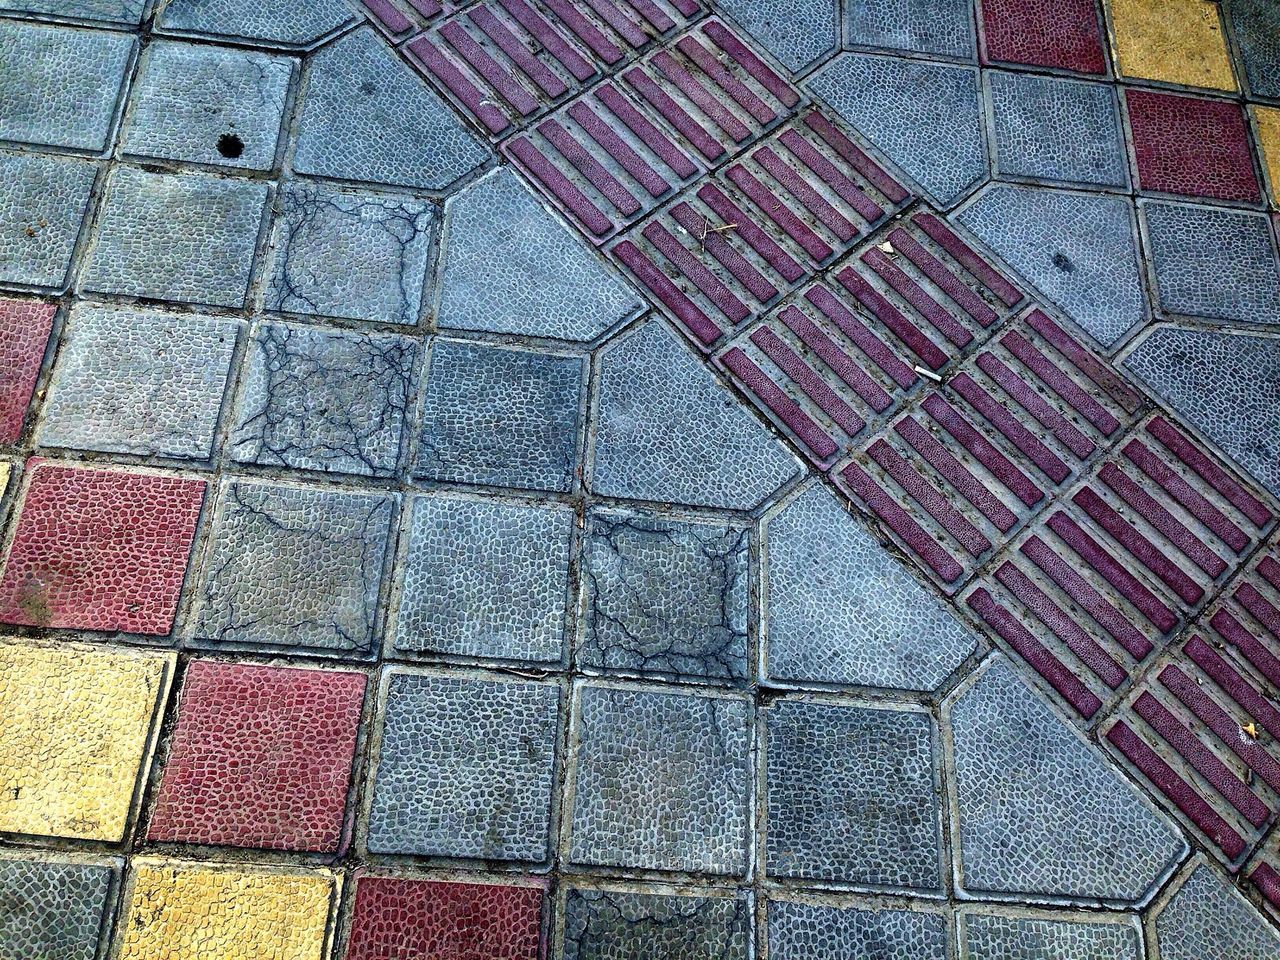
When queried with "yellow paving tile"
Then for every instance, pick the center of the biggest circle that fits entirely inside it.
(4, 477)
(1269, 133)
(1175, 41)
(185, 911)
(76, 724)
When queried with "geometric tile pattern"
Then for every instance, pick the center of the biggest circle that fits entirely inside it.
(1066, 34)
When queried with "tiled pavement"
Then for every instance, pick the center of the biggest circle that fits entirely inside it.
(634, 478)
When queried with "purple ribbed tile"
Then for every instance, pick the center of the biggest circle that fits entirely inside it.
(1195, 503)
(849, 372)
(1173, 529)
(467, 92)
(809, 198)
(777, 211)
(1270, 571)
(654, 16)
(1058, 381)
(865, 340)
(697, 322)
(1259, 608)
(829, 175)
(674, 114)
(1239, 689)
(700, 96)
(1022, 393)
(501, 79)
(690, 8)
(916, 295)
(965, 255)
(617, 148)
(929, 498)
(726, 81)
(1208, 470)
(621, 24)
(947, 282)
(723, 38)
(751, 232)
(581, 160)
(520, 55)
(1000, 418)
(814, 387)
(968, 436)
(1233, 631)
(574, 200)
(1268, 881)
(689, 266)
(724, 252)
(847, 150)
(555, 44)
(646, 132)
(916, 340)
(782, 406)
(428, 8)
(387, 14)
(1101, 373)
(955, 473)
(584, 30)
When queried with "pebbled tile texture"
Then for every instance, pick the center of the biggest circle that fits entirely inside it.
(1017, 938)
(802, 931)
(1207, 916)
(53, 910)
(24, 337)
(1066, 34)
(798, 37)
(41, 214)
(611, 925)
(941, 27)
(291, 22)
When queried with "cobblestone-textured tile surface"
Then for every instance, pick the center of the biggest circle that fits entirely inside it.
(54, 909)
(612, 924)
(41, 213)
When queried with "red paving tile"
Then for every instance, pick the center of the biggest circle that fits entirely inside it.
(1192, 146)
(261, 757)
(99, 549)
(395, 919)
(24, 333)
(1046, 33)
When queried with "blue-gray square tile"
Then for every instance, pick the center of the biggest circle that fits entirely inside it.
(290, 22)
(41, 211)
(1213, 263)
(208, 105)
(60, 85)
(1256, 24)
(1026, 938)
(926, 117)
(124, 12)
(465, 768)
(616, 924)
(500, 417)
(142, 382)
(661, 780)
(851, 796)
(798, 34)
(327, 400)
(53, 911)
(1048, 128)
(1079, 249)
(357, 256)
(942, 27)
(803, 931)
(189, 237)
(486, 579)
(1207, 918)
(366, 116)
(665, 597)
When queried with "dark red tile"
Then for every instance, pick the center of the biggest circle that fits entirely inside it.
(1046, 33)
(261, 757)
(99, 549)
(1192, 146)
(24, 333)
(395, 919)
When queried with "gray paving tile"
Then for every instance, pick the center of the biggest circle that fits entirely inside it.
(353, 255)
(942, 27)
(465, 768)
(1040, 811)
(52, 911)
(661, 781)
(486, 579)
(292, 22)
(841, 610)
(617, 925)
(125, 12)
(1023, 938)
(328, 400)
(802, 931)
(294, 568)
(695, 446)
(1078, 249)
(188, 237)
(139, 381)
(1053, 129)
(367, 117)
(209, 105)
(1227, 386)
(851, 796)
(500, 417)
(926, 117)
(41, 210)
(1206, 918)
(798, 35)
(664, 597)
(511, 267)
(1213, 263)
(1256, 24)
(59, 85)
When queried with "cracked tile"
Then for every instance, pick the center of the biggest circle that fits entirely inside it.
(1066, 34)
(135, 381)
(24, 337)
(1192, 146)
(798, 36)
(327, 400)
(54, 910)
(292, 22)
(665, 598)
(353, 255)
(611, 924)
(41, 211)
(465, 768)
(1173, 41)
(802, 931)
(500, 417)
(1025, 938)
(1207, 918)
(294, 568)
(942, 27)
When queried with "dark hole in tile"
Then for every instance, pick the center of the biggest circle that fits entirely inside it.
(230, 146)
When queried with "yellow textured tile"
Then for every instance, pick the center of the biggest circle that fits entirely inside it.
(1269, 133)
(4, 478)
(76, 726)
(183, 911)
(1175, 41)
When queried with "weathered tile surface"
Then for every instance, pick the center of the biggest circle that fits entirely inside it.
(123, 12)
(1206, 917)
(1174, 41)
(293, 22)
(1018, 938)
(1256, 24)
(53, 910)
(1267, 120)
(798, 35)
(24, 337)
(1066, 34)
(941, 27)
(41, 211)
(612, 924)
(802, 931)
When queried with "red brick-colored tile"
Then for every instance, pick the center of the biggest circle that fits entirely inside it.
(1046, 33)
(24, 334)
(99, 549)
(261, 757)
(396, 918)
(1192, 146)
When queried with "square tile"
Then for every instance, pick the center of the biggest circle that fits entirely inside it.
(1268, 123)
(943, 27)
(183, 237)
(1174, 41)
(260, 757)
(54, 910)
(486, 579)
(851, 796)
(24, 336)
(329, 400)
(500, 417)
(1256, 25)
(80, 723)
(294, 568)
(1055, 129)
(174, 909)
(465, 768)
(41, 211)
(59, 85)
(209, 105)
(804, 931)
(395, 918)
(661, 780)
(1066, 34)
(139, 381)
(1192, 146)
(606, 924)
(289, 22)
(354, 255)
(99, 549)
(665, 597)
